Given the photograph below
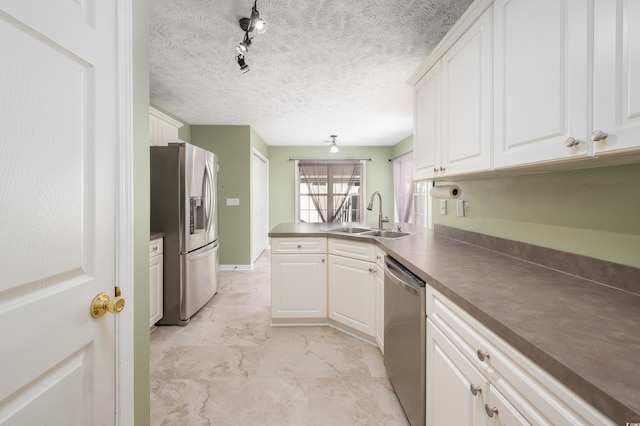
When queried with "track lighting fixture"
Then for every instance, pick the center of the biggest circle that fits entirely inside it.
(243, 66)
(243, 46)
(255, 22)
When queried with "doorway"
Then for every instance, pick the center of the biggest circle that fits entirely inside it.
(259, 204)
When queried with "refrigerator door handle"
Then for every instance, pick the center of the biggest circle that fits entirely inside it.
(202, 254)
(208, 192)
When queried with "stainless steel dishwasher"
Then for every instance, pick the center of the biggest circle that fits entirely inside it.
(404, 338)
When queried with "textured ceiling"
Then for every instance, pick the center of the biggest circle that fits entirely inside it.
(322, 67)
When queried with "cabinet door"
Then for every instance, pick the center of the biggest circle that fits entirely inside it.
(426, 142)
(617, 75)
(298, 286)
(155, 289)
(380, 307)
(466, 101)
(166, 133)
(153, 130)
(540, 81)
(352, 286)
(456, 390)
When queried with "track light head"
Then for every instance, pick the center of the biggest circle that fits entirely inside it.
(243, 65)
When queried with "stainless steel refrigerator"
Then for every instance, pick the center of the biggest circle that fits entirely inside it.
(184, 207)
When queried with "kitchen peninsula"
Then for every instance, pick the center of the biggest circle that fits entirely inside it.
(579, 326)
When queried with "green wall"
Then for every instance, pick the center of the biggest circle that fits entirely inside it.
(282, 173)
(140, 104)
(232, 144)
(402, 147)
(593, 212)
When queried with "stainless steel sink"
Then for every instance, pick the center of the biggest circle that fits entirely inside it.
(349, 230)
(386, 234)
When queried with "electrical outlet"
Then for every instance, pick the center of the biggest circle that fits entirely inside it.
(460, 206)
(443, 206)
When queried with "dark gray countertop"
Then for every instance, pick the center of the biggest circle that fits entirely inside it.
(585, 334)
(156, 235)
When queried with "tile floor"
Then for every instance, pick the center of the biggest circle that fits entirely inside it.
(228, 366)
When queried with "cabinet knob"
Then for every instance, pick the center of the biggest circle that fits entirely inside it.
(475, 389)
(299, 246)
(322, 260)
(570, 142)
(482, 355)
(442, 169)
(599, 135)
(435, 170)
(491, 411)
(372, 271)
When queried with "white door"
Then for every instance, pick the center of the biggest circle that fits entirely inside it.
(259, 205)
(57, 222)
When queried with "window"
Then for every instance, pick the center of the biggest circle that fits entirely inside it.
(422, 204)
(329, 191)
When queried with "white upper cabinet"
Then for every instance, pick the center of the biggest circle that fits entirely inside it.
(426, 141)
(466, 101)
(540, 81)
(530, 83)
(162, 128)
(616, 94)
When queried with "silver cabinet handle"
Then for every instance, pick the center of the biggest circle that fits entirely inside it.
(491, 411)
(372, 271)
(299, 246)
(598, 135)
(570, 142)
(475, 389)
(322, 260)
(482, 355)
(435, 170)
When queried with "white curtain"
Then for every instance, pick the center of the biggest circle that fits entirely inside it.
(329, 185)
(403, 185)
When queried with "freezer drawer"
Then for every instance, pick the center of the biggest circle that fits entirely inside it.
(200, 279)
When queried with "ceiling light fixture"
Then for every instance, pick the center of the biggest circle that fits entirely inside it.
(243, 66)
(333, 148)
(255, 22)
(243, 46)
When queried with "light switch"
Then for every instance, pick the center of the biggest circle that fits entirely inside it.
(233, 201)
(460, 206)
(443, 206)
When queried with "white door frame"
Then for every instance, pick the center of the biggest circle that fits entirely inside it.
(124, 215)
(256, 153)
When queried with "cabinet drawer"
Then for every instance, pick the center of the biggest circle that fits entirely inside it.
(380, 258)
(298, 245)
(533, 392)
(155, 247)
(353, 249)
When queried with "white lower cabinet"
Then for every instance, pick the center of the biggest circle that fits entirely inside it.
(380, 298)
(352, 285)
(299, 278)
(456, 390)
(156, 281)
(476, 378)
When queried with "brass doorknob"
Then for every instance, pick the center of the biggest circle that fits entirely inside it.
(103, 303)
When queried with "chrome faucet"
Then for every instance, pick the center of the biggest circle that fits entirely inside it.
(381, 219)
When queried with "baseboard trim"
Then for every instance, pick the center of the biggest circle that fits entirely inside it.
(236, 267)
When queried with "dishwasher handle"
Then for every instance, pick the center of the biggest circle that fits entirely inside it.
(395, 275)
